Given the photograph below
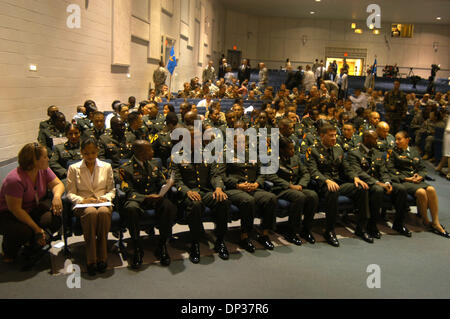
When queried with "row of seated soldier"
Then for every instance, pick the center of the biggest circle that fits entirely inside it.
(331, 148)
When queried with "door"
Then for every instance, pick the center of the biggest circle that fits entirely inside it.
(234, 58)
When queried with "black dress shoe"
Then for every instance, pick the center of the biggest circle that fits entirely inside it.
(194, 253)
(265, 241)
(91, 269)
(101, 267)
(437, 232)
(293, 239)
(330, 236)
(247, 245)
(138, 257)
(221, 249)
(402, 230)
(374, 232)
(308, 236)
(162, 255)
(364, 235)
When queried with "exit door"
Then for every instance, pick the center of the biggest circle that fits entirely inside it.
(234, 58)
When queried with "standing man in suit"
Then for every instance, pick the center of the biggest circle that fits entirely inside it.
(223, 69)
(244, 72)
(320, 74)
(141, 180)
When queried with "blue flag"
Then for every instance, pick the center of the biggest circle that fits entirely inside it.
(172, 61)
(374, 67)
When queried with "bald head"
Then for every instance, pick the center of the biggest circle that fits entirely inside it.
(383, 130)
(374, 118)
(190, 117)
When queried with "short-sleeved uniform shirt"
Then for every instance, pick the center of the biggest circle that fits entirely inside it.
(18, 184)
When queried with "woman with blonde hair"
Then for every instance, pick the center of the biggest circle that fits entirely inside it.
(26, 216)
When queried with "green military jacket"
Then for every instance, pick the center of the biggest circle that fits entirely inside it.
(198, 176)
(45, 124)
(154, 125)
(46, 136)
(326, 164)
(237, 173)
(115, 149)
(348, 144)
(309, 141)
(308, 126)
(162, 145)
(368, 165)
(94, 133)
(84, 124)
(137, 181)
(395, 102)
(406, 163)
(367, 126)
(139, 134)
(62, 154)
(291, 171)
(387, 144)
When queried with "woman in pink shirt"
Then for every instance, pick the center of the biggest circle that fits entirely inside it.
(24, 216)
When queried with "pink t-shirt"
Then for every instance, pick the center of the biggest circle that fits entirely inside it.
(18, 184)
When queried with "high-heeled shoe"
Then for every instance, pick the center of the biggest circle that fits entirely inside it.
(437, 232)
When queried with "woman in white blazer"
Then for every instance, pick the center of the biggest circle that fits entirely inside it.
(91, 181)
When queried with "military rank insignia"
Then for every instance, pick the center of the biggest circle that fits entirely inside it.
(308, 153)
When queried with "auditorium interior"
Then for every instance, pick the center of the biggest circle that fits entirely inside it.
(308, 66)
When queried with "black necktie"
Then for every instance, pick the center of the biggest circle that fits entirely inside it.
(147, 168)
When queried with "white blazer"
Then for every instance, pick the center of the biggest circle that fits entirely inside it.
(81, 184)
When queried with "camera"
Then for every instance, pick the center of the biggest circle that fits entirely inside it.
(434, 69)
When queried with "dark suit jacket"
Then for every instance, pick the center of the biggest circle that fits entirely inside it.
(243, 74)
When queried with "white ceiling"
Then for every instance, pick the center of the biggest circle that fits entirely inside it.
(398, 11)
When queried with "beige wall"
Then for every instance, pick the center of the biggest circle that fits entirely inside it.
(76, 64)
(275, 39)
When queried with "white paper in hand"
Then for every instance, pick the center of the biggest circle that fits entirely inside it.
(165, 188)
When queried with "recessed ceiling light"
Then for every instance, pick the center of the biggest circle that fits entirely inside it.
(359, 31)
(312, 12)
(371, 26)
(33, 67)
(376, 31)
(353, 25)
(438, 18)
(318, 0)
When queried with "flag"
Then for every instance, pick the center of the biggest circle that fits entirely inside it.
(374, 67)
(172, 61)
